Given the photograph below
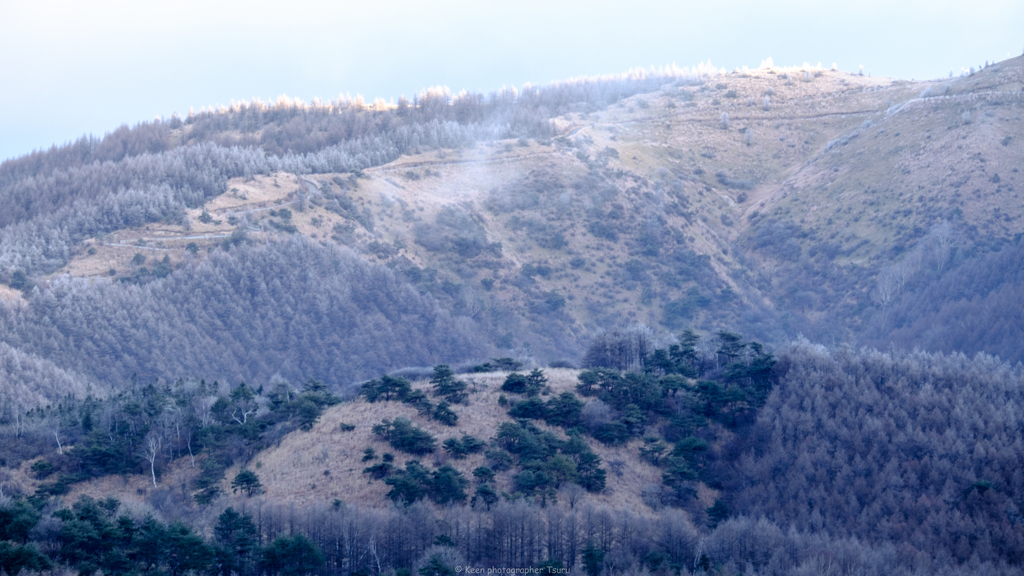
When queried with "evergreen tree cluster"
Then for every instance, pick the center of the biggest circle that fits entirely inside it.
(444, 383)
(680, 400)
(102, 535)
(546, 461)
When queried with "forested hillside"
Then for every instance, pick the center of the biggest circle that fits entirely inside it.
(752, 200)
(837, 462)
(237, 315)
(505, 329)
(673, 198)
(916, 449)
(293, 309)
(974, 306)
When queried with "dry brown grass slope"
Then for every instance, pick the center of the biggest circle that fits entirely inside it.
(933, 153)
(865, 163)
(676, 130)
(325, 463)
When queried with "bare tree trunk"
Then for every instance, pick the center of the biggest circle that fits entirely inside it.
(700, 552)
(376, 557)
(152, 451)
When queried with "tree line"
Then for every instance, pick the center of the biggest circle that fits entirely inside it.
(256, 536)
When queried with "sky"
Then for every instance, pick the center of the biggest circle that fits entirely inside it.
(69, 68)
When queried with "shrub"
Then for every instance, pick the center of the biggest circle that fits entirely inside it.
(483, 474)
(445, 415)
(247, 481)
(564, 410)
(386, 387)
(553, 241)
(532, 408)
(409, 485)
(292, 556)
(447, 485)
(498, 459)
(612, 433)
(42, 469)
(725, 180)
(515, 383)
(602, 229)
(446, 385)
(385, 468)
(286, 227)
(499, 365)
(402, 435)
(485, 493)
(590, 475)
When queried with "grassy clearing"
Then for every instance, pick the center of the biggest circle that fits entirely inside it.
(295, 469)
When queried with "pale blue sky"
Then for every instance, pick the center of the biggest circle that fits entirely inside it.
(69, 67)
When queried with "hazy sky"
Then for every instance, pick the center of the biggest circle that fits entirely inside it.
(70, 67)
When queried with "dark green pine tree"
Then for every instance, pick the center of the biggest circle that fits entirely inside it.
(247, 481)
(237, 541)
(446, 385)
(291, 556)
(448, 485)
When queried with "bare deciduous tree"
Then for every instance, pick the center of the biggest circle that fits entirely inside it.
(152, 449)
